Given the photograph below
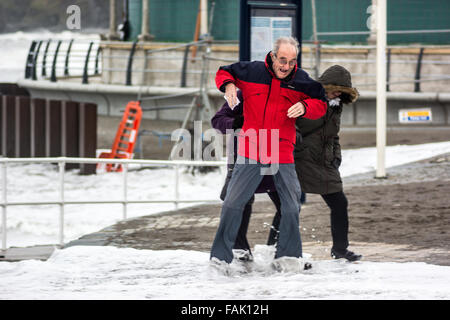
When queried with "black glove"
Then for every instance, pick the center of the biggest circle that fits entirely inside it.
(298, 138)
(238, 122)
(336, 163)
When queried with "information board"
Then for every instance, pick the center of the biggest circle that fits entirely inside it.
(264, 32)
(422, 115)
(263, 21)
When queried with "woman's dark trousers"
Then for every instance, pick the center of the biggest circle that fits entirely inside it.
(338, 204)
(339, 219)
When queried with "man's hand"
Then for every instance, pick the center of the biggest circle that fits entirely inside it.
(296, 110)
(231, 95)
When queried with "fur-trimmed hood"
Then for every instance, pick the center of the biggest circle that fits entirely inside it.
(337, 78)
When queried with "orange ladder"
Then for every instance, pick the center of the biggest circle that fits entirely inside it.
(125, 140)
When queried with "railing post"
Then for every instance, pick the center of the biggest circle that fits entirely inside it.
(53, 75)
(30, 59)
(125, 189)
(206, 106)
(86, 63)
(66, 64)
(34, 67)
(388, 69)
(44, 59)
(99, 50)
(130, 63)
(317, 59)
(184, 67)
(418, 68)
(61, 165)
(4, 228)
(177, 194)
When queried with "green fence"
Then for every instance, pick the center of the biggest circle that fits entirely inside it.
(175, 20)
(336, 16)
(354, 15)
(419, 15)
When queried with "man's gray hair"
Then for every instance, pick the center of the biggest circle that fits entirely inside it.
(289, 40)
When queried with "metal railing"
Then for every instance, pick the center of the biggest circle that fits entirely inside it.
(87, 59)
(39, 58)
(347, 33)
(61, 57)
(61, 161)
(415, 78)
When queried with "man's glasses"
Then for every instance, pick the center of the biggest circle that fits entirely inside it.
(283, 61)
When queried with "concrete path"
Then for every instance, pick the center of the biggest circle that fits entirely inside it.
(36, 252)
(193, 228)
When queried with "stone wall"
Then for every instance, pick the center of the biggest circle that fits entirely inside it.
(166, 66)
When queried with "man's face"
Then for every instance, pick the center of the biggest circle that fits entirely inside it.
(284, 61)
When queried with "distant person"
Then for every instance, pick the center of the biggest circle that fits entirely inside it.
(318, 157)
(276, 92)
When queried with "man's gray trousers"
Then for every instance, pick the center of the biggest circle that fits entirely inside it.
(246, 178)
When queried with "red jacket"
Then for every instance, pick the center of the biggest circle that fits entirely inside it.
(268, 135)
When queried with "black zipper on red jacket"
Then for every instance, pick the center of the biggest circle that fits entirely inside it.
(265, 106)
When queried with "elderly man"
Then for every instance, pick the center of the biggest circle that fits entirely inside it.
(276, 92)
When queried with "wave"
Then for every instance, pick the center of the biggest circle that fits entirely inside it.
(47, 34)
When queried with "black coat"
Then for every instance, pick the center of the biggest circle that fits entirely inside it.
(318, 156)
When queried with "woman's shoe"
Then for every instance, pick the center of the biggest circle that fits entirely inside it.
(346, 254)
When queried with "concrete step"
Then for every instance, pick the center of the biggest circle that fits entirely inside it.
(41, 252)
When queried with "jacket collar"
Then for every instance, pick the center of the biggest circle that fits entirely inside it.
(269, 66)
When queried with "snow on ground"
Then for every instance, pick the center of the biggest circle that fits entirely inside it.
(31, 225)
(119, 273)
(84, 272)
(39, 182)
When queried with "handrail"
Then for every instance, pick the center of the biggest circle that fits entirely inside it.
(153, 54)
(53, 74)
(99, 50)
(86, 63)
(345, 33)
(66, 64)
(406, 81)
(61, 161)
(418, 70)
(30, 59)
(130, 64)
(44, 60)
(58, 52)
(36, 53)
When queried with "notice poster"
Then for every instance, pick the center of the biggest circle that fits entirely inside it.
(415, 115)
(264, 31)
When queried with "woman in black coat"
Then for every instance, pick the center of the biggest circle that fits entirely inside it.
(318, 157)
